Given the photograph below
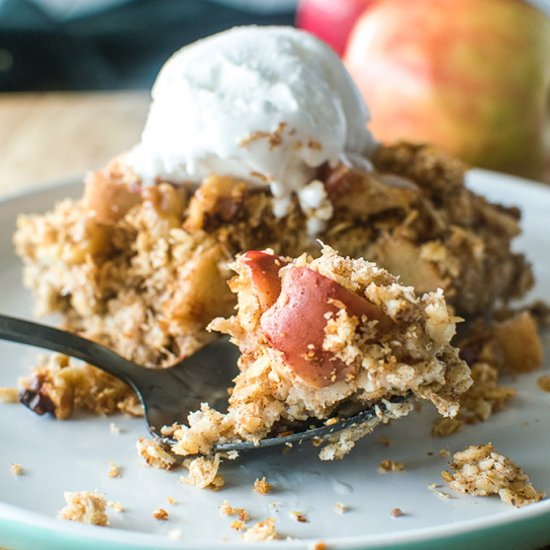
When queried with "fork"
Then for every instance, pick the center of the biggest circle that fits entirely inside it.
(168, 395)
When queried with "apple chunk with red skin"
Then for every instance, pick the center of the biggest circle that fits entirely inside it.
(295, 322)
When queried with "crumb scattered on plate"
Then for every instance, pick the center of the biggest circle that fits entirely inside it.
(386, 441)
(203, 473)
(480, 471)
(263, 530)
(396, 512)
(9, 395)
(116, 506)
(161, 514)
(155, 454)
(16, 469)
(114, 470)
(262, 486)
(339, 507)
(171, 500)
(114, 428)
(85, 507)
(300, 517)
(390, 466)
(227, 510)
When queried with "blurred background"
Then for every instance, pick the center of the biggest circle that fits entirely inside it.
(111, 44)
(75, 74)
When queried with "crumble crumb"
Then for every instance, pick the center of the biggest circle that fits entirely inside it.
(300, 517)
(155, 454)
(114, 470)
(85, 507)
(16, 469)
(160, 514)
(116, 506)
(442, 495)
(444, 453)
(480, 471)
(227, 510)
(442, 427)
(203, 473)
(396, 512)
(319, 545)
(544, 383)
(263, 530)
(390, 466)
(238, 525)
(386, 441)
(171, 500)
(339, 507)
(262, 486)
(9, 395)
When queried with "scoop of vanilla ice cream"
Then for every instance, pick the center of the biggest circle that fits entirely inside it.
(266, 104)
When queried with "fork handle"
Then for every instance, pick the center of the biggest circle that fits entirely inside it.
(62, 341)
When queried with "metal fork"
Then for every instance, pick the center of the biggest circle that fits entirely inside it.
(169, 395)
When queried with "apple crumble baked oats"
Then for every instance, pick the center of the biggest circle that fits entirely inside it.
(319, 337)
(143, 269)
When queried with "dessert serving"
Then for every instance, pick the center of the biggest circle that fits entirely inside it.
(256, 139)
(258, 205)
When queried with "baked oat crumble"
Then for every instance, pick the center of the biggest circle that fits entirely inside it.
(390, 466)
(155, 454)
(114, 470)
(171, 500)
(227, 510)
(116, 506)
(319, 545)
(262, 531)
(9, 395)
(85, 507)
(161, 514)
(262, 486)
(16, 469)
(300, 517)
(396, 512)
(480, 471)
(203, 473)
(238, 525)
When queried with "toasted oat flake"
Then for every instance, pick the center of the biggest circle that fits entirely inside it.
(396, 512)
(16, 469)
(171, 500)
(85, 507)
(262, 486)
(161, 514)
(203, 473)
(544, 383)
(8, 395)
(390, 466)
(263, 530)
(480, 471)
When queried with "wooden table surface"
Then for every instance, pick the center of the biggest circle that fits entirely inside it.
(46, 137)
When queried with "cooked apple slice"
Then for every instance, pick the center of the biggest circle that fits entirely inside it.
(295, 324)
(264, 274)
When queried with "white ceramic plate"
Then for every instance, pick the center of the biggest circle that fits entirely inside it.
(74, 455)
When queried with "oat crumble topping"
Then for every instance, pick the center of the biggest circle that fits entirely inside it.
(161, 514)
(85, 507)
(261, 531)
(390, 466)
(16, 469)
(227, 510)
(9, 395)
(396, 512)
(480, 471)
(262, 486)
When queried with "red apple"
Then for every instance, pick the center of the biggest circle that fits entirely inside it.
(295, 324)
(330, 20)
(264, 275)
(472, 76)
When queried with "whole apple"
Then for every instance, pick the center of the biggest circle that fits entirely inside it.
(472, 76)
(330, 20)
